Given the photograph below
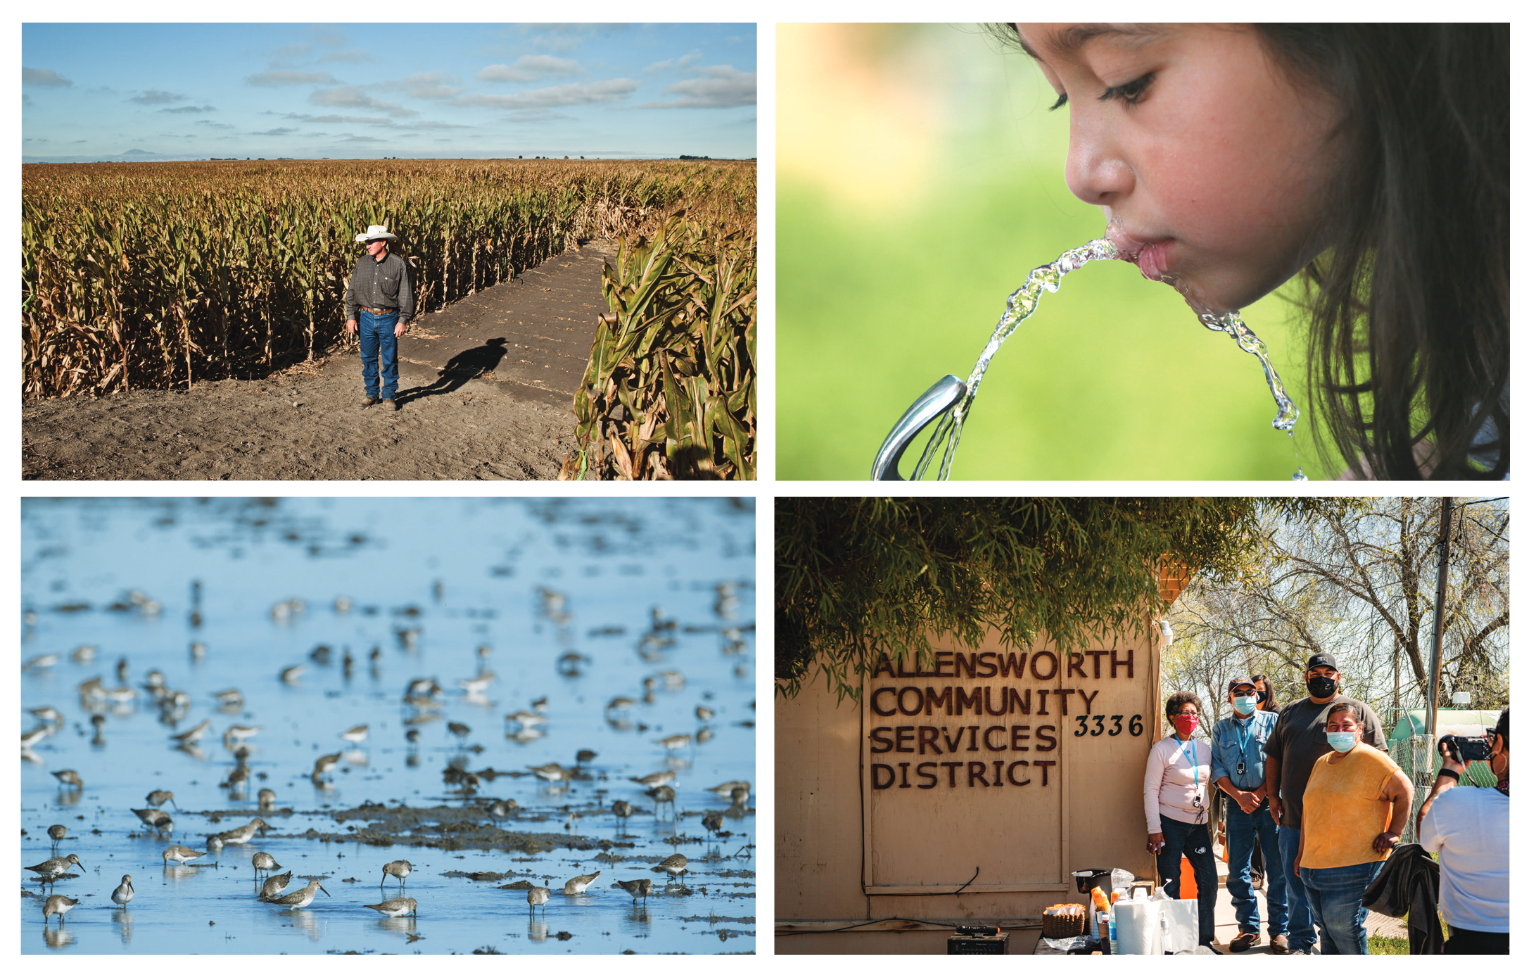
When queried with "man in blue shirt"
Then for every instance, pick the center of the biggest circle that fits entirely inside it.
(1237, 766)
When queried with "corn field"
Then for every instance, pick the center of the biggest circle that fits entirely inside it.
(157, 275)
(671, 386)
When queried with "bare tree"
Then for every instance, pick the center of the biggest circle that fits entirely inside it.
(1360, 584)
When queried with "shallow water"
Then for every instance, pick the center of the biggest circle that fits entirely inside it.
(429, 582)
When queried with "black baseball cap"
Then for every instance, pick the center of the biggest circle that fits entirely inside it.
(1322, 660)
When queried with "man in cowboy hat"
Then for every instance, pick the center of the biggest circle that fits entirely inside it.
(379, 300)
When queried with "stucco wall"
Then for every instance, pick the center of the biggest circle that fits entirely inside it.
(821, 833)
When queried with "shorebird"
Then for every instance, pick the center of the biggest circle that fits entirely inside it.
(724, 790)
(704, 713)
(262, 861)
(584, 756)
(355, 734)
(161, 797)
(537, 896)
(739, 796)
(459, 730)
(664, 795)
(526, 719)
(242, 834)
(83, 654)
(290, 675)
(423, 687)
(57, 905)
(540, 704)
(712, 820)
(553, 772)
(655, 779)
(47, 715)
(300, 898)
(29, 739)
(58, 832)
(621, 810)
(68, 777)
(239, 733)
(194, 735)
(273, 886)
(638, 889)
(123, 894)
(400, 869)
(231, 698)
(502, 809)
(325, 764)
(157, 820)
(620, 703)
(266, 798)
(674, 865)
(179, 854)
(41, 662)
(55, 867)
(569, 663)
(395, 907)
(673, 742)
(475, 686)
(578, 884)
(197, 650)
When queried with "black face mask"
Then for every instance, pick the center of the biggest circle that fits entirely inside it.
(1322, 687)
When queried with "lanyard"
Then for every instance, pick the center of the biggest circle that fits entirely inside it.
(1193, 757)
(1244, 736)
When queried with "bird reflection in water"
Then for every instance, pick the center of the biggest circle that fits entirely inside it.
(124, 920)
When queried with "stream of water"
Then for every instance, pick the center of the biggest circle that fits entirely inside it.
(1021, 305)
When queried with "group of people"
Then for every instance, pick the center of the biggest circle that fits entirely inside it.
(1311, 789)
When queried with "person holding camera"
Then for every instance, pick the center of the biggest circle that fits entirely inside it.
(1299, 740)
(1174, 794)
(1356, 806)
(1469, 827)
(1237, 766)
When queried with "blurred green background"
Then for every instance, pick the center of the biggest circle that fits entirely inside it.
(919, 181)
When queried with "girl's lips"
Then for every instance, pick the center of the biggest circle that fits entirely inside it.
(1150, 257)
(1153, 259)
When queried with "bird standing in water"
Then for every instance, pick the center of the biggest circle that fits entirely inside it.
(123, 894)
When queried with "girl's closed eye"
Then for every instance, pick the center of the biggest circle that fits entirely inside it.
(1131, 92)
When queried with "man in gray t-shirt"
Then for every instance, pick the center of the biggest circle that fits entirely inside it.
(1298, 741)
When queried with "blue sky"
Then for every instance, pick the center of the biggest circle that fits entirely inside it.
(193, 91)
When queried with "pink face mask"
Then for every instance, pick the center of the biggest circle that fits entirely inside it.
(1185, 724)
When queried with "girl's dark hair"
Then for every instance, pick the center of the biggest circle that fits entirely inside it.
(1179, 699)
(1267, 701)
(1344, 706)
(1410, 302)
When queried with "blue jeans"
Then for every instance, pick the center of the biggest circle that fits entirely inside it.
(1300, 931)
(1334, 895)
(1194, 842)
(1243, 831)
(376, 338)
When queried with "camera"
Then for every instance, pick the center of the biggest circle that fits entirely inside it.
(1466, 748)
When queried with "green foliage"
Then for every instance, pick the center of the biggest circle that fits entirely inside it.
(862, 579)
(1386, 945)
(671, 386)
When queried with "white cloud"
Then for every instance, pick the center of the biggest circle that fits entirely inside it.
(577, 93)
(719, 87)
(428, 85)
(530, 68)
(353, 97)
(273, 79)
(43, 76)
(157, 97)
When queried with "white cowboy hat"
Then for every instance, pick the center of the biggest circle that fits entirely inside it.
(376, 232)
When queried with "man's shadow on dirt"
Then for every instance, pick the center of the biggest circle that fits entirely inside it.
(461, 367)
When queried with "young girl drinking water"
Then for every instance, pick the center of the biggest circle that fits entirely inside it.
(1371, 158)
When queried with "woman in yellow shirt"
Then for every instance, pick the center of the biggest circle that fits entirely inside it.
(1353, 814)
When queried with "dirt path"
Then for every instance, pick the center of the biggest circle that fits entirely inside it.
(485, 394)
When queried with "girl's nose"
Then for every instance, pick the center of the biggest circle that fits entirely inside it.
(1097, 172)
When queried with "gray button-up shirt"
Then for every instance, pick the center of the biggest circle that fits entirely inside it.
(382, 285)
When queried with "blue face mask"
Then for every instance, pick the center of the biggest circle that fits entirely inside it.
(1342, 741)
(1245, 703)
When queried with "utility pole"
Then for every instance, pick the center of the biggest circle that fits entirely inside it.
(1431, 708)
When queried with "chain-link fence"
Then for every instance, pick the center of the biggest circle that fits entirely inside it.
(1421, 761)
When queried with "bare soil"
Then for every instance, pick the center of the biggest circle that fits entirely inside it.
(486, 389)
